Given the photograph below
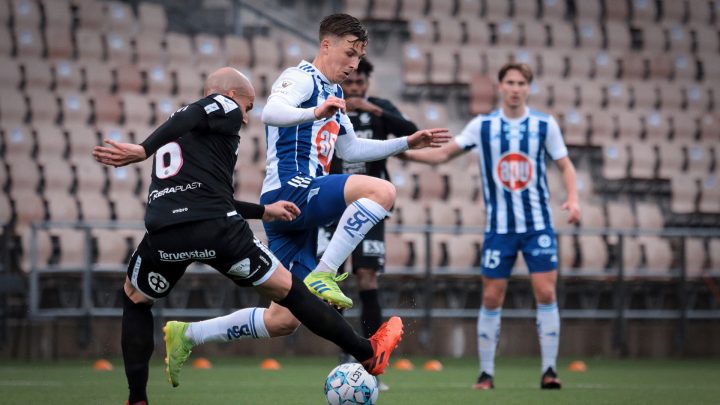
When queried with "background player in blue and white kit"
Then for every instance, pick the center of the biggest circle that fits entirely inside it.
(512, 143)
(306, 123)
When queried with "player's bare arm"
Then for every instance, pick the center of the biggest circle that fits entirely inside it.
(119, 153)
(434, 156)
(571, 204)
(330, 107)
(280, 211)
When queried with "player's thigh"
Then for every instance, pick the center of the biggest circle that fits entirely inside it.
(539, 250)
(237, 253)
(493, 295)
(148, 275)
(499, 253)
(360, 186)
(326, 200)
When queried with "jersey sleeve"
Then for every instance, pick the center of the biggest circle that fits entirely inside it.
(223, 114)
(293, 87)
(346, 125)
(554, 143)
(470, 135)
(181, 122)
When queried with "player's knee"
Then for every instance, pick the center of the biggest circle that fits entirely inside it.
(383, 192)
(283, 326)
(492, 301)
(134, 295)
(545, 295)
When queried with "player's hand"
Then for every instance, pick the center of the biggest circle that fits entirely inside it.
(573, 209)
(119, 153)
(429, 138)
(361, 104)
(330, 107)
(281, 211)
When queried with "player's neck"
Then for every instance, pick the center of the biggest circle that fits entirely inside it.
(319, 63)
(513, 112)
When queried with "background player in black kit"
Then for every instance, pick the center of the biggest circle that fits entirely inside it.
(372, 118)
(192, 216)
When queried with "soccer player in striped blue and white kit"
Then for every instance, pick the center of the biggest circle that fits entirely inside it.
(512, 143)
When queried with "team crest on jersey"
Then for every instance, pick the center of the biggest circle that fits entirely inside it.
(514, 171)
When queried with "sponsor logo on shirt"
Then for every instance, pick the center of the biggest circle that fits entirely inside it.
(155, 194)
(190, 255)
(514, 171)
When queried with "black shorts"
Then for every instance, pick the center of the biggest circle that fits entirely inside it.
(370, 253)
(226, 244)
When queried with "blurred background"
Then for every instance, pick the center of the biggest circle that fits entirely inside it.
(634, 84)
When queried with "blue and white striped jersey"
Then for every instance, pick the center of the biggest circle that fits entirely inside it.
(512, 167)
(304, 151)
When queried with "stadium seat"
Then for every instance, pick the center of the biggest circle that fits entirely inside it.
(684, 67)
(98, 77)
(590, 10)
(644, 160)
(6, 43)
(164, 107)
(29, 42)
(398, 253)
(128, 207)
(385, 11)
(644, 12)
(67, 76)
(620, 215)
(266, 53)
(590, 34)
(58, 41)
(119, 17)
(73, 246)
(661, 67)
(433, 115)
(237, 51)
(618, 96)
(593, 216)
(25, 13)
(628, 124)
(657, 127)
(591, 95)
(43, 245)
(106, 109)
(150, 51)
(700, 158)
(11, 75)
(43, 106)
(29, 207)
(684, 127)
(61, 206)
(679, 38)
(699, 98)
(159, 80)
(90, 177)
(91, 14)
(136, 109)
(441, 8)
(633, 66)
(658, 256)
(24, 173)
(631, 255)
(75, 109)
(179, 50)
(603, 127)
(672, 96)
(695, 258)
(708, 126)
(52, 143)
(57, 176)
(553, 10)
(294, 50)
(507, 34)
(478, 33)
(566, 254)
(674, 11)
(443, 65)
(495, 59)
(654, 39)
(710, 195)
(535, 34)
(410, 9)
(564, 94)
(411, 212)
(463, 253)
(603, 65)
(575, 127)
(593, 254)
(450, 30)
(684, 194)
(671, 159)
(94, 207)
(422, 31)
(119, 48)
(81, 139)
(18, 141)
(706, 39)
(151, 18)
(209, 51)
(648, 216)
(714, 255)
(470, 64)
(645, 96)
(92, 45)
(618, 36)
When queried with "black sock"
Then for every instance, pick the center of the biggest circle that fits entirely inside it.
(371, 316)
(137, 346)
(325, 321)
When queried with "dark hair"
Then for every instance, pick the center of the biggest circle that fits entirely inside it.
(364, 67)
(341, 25)
(523, 68)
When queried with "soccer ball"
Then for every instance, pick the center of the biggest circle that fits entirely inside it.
(349, 383)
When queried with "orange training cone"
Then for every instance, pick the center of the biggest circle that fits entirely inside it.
(102, 365)
(404, 365)
(202, 363)
(433, 365)
(577, 366)
(270, 364)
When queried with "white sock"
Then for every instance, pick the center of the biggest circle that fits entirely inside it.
(358, 218)
(488, 334)
(243, 324)
(548, 326)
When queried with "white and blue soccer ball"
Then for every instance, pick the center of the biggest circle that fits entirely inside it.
(349, 383)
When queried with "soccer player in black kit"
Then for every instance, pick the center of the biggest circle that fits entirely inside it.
(192, 217)
(372, 118)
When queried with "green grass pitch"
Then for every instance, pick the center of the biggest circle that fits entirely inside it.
(300, 381)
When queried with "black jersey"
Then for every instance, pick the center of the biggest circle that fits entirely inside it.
(195, 155)
(369, 126)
